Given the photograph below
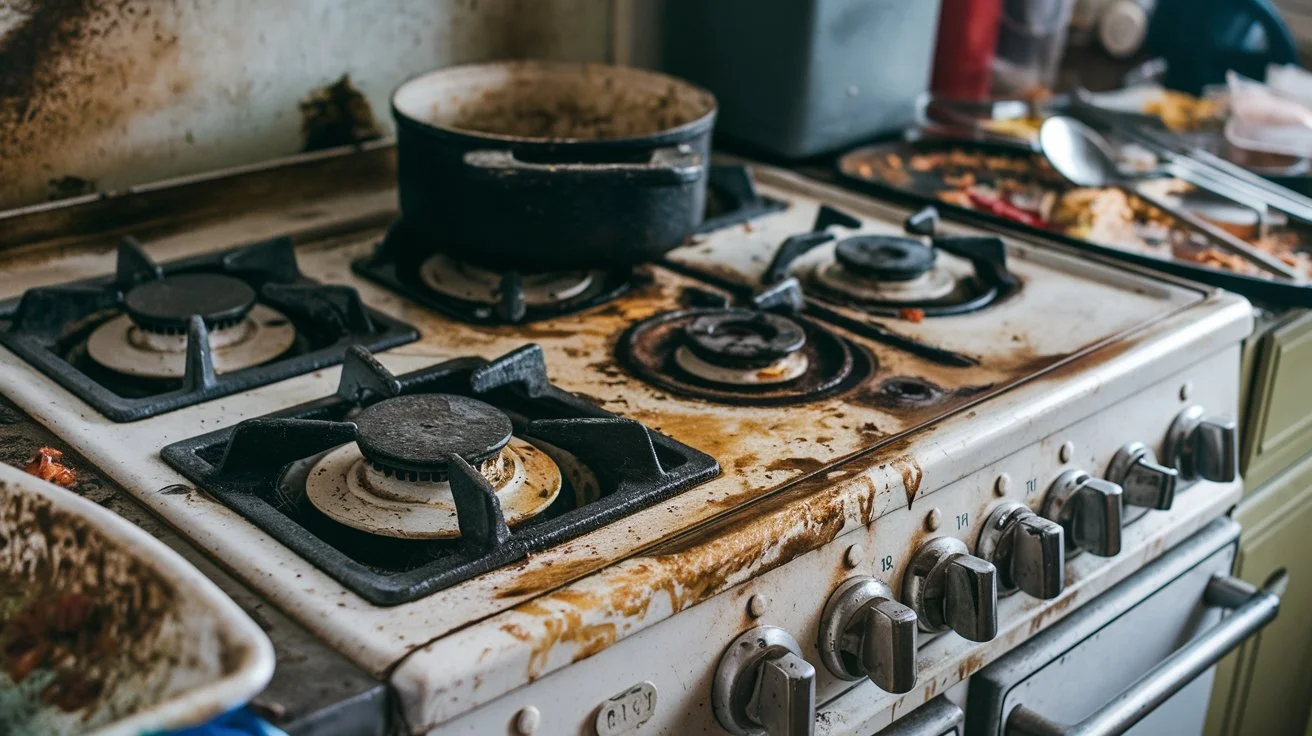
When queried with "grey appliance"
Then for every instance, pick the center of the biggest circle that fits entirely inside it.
(797, 78)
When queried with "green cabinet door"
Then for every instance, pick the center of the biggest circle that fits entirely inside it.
(1265, 688)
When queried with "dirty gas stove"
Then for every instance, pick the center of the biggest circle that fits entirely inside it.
(821, 465)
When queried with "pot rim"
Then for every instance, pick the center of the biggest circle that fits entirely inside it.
(693, 127)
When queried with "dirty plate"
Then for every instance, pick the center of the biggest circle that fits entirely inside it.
(105, 630)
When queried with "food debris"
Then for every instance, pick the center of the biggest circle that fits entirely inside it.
(1181, 112)
(912, 314)
(1024, 188)
(49, 632)
(46, 466)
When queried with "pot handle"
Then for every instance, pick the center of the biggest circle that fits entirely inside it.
(669, 166)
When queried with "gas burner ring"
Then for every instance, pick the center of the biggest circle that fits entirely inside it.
(909, 391)
(783, 370)
(167, 304)
(935, 284)
(743, 338)
(658, 351)
(467, 282)
(348, 489)
(414, 437)
(885, 257)
(122, 346)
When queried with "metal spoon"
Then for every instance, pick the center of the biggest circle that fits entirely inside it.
(1086, 159)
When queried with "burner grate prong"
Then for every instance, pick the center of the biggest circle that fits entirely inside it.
(199, 372)
(620, 448)
(133, 266)
(266, 445)
(482, 523)
(525, 367)
(46, 311)
(273, 260)
(328, 306)
(364, 378)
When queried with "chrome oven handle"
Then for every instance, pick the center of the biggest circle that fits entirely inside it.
(1253, 609)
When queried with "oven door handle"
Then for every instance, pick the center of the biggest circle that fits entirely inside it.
(1253, 609)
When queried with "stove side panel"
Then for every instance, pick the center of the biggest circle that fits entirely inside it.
(98, 95)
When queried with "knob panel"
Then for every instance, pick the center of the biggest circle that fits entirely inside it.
(763, 686)
(865, 632)
(1028, 550)
(1089, 511)
(948, 588)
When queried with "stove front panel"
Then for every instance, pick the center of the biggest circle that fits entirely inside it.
(678, 656)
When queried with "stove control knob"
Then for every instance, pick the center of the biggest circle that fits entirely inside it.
(1089, 510)
(1143, 482)
(948, 588)
(865, 632)
(1028, 550)
(1203, 446)
(763, 686)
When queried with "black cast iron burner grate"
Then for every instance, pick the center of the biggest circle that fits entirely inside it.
(48, 326)
(397, 262)
(258, 469)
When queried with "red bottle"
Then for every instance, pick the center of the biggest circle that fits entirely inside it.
(963, 58)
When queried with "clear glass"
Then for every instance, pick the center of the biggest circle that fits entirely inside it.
(1031, 41)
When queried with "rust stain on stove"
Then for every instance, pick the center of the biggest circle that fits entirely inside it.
(911, 473)
(64, 69)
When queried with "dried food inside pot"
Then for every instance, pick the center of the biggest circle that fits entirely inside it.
(591, 105)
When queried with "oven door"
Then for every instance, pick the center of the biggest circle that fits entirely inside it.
(1138, 659)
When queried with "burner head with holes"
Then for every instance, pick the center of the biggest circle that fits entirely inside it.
(415, 437)
(885, 274)
(885, 257)
(166, 305)
(744, 338)
(742, 356)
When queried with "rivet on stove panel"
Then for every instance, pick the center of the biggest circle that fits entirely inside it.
(756, 605)
(1186, 390)
(1002, 485)
(852, 557)
(527, 720)
(1066, 452)
(933, 520)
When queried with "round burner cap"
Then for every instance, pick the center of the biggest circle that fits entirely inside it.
(167, 304)
(416, 436)
(885, 257)
(744, 338)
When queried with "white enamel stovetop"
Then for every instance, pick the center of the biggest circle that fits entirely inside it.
(1079, 335)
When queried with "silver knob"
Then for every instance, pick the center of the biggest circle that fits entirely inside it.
(1144, 483)
(1028, 550)
(865, 632)
(763, 686)
(1089, 510)
(948, 588)
(1203, 446)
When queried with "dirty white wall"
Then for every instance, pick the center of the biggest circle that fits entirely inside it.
(104, 94)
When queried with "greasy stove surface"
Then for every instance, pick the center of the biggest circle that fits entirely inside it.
(1104, 315)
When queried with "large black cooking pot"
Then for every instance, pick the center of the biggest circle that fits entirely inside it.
(541, 166)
